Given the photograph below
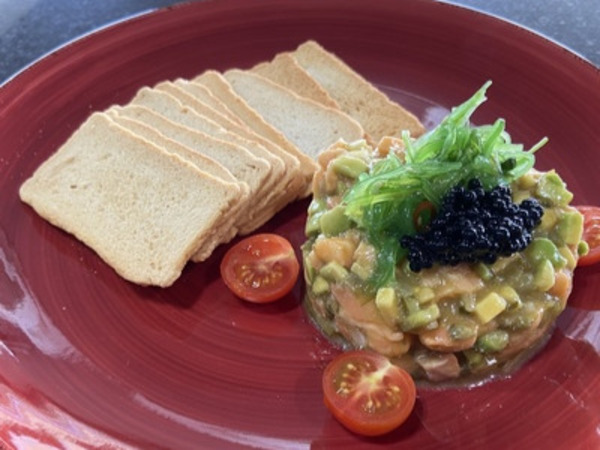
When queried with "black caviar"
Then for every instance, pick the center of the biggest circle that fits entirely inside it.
(474, 225)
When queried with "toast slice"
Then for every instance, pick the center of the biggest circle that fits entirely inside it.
(294, 115)
(285, 71)
(276, 178)
(202, 94)
(225, 229)
(152, 134)
(175, 104)
(183, 131)
(110, 189)
(356, 96)
(167, 106)
(220, 88)
(239, 161)
(287, 183)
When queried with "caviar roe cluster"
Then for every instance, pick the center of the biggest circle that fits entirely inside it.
(474, 225)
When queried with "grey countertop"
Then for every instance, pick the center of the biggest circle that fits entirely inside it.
(29, 29)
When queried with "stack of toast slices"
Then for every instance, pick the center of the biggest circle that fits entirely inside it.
(189, 164)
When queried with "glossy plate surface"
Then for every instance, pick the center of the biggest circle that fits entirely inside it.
(87, 358)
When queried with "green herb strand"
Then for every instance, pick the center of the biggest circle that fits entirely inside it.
(382, 201)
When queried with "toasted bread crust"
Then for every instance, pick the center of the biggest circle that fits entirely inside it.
(356, 96)
(284, 70)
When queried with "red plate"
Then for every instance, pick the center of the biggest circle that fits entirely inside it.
(88, 358)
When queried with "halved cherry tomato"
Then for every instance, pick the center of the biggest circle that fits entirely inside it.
(591, 234)
(367, 393)
(261, 268)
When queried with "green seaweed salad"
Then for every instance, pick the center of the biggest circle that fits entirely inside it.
(383, 201)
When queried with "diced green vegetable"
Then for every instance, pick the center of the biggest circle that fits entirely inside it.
(316, 208)
(317, 205)
(521, 319)
(543, 249)
(468, 302)
(459, 331)
(484, 271)
(356, 145)
(360, 271)
(583, 248)
(312, 225)
(475, 360)
(552, 190)
(493, 341)
(489, 307)
(333, 271)
(549, 219)
(421, 318)
(511, 296)
(411, 304)
(333, 222)
(519, 196)
(544, 276)
(570, 227)
(566, 253)
(424, 294)
(527, 181)
(320, 286)
(387, 304)
(309, 271)
(349, 166)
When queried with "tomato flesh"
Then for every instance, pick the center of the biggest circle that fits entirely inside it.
(591, 234)
(367, 394)
(261, 268)
(423, 215)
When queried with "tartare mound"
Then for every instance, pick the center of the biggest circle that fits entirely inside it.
(459, 320)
